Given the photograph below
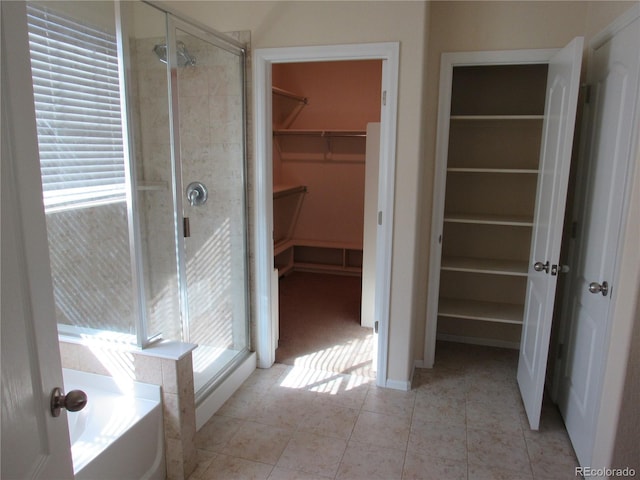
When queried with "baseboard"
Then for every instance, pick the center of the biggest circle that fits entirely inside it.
(403, 385)
(210, 405)
(487, 342)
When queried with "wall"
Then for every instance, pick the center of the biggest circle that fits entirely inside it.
(341, 96)
(283, 24)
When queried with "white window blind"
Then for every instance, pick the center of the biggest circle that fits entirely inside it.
(77, 103)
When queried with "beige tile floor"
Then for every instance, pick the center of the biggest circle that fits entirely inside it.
(462, 420)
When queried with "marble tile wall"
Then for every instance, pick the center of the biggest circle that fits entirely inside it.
(90, 267)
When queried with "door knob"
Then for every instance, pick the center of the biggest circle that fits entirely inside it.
(595, 287)
(539, 267)
(73, 401)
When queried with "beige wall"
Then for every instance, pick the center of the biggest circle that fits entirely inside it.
(282, 24)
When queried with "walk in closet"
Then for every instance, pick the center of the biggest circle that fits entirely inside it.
(323, 113)
(495, 130)
(320, 115)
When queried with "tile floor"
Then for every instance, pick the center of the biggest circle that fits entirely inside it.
(462, 420)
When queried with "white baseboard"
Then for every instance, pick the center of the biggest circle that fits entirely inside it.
(403, 385)
(210, 405)
(488, 342)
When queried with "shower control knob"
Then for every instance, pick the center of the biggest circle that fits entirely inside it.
(197, 194)
(73, 401)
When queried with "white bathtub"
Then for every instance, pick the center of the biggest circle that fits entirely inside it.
(117, 435)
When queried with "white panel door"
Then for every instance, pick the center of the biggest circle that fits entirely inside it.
(563, 81)
(613, 75)
(34, 444)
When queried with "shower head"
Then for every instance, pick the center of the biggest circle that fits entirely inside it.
(185, 59)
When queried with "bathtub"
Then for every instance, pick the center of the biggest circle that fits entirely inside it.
(117, 435)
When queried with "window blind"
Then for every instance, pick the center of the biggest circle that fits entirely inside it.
(77, 103)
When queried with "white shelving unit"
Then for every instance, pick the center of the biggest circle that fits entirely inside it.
(495, 127)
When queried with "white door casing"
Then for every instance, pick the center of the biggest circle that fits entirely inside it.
(613, 76)
(263, 181)
(563, 82)
(35, 445)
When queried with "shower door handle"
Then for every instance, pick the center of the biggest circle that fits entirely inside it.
(186, 228)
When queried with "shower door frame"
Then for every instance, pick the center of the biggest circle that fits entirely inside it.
(217, 39)
(226, 43)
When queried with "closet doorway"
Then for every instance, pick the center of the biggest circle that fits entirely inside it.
(325, 118)
(266, 280)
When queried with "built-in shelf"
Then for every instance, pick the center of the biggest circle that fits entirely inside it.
(484, 265)
(492, 170)
(496, 117)
(484, 311)
(288, 106)
(293, 96)
(284, 190)
(485, 219)
(318, 256)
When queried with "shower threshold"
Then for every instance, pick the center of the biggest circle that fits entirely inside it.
(209, 362)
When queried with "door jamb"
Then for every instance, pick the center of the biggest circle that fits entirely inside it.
(263, 59)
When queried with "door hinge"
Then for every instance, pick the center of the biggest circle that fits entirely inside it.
(384, 97)
(375, 326)
(587, 92)
(379, 218)
(186, 228)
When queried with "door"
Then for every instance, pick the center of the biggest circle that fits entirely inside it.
(34, 444)
(555, 158)
(208, 97)
(613, 78)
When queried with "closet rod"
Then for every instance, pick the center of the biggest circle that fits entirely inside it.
(285, 93)
(320, 133)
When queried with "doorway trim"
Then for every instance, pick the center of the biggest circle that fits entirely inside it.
(263, 59)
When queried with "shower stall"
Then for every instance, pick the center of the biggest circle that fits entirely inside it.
(165, 257)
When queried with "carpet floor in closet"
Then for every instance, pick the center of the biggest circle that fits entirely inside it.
(320, 324)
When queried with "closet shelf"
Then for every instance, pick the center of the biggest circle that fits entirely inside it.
(496, 117)
(485, 219)
(484, 311)
(485, 265)
(492, 170)
(321, 133)
(286, 93)
(285, 190)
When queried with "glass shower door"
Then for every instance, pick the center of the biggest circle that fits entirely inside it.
(208, 76)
